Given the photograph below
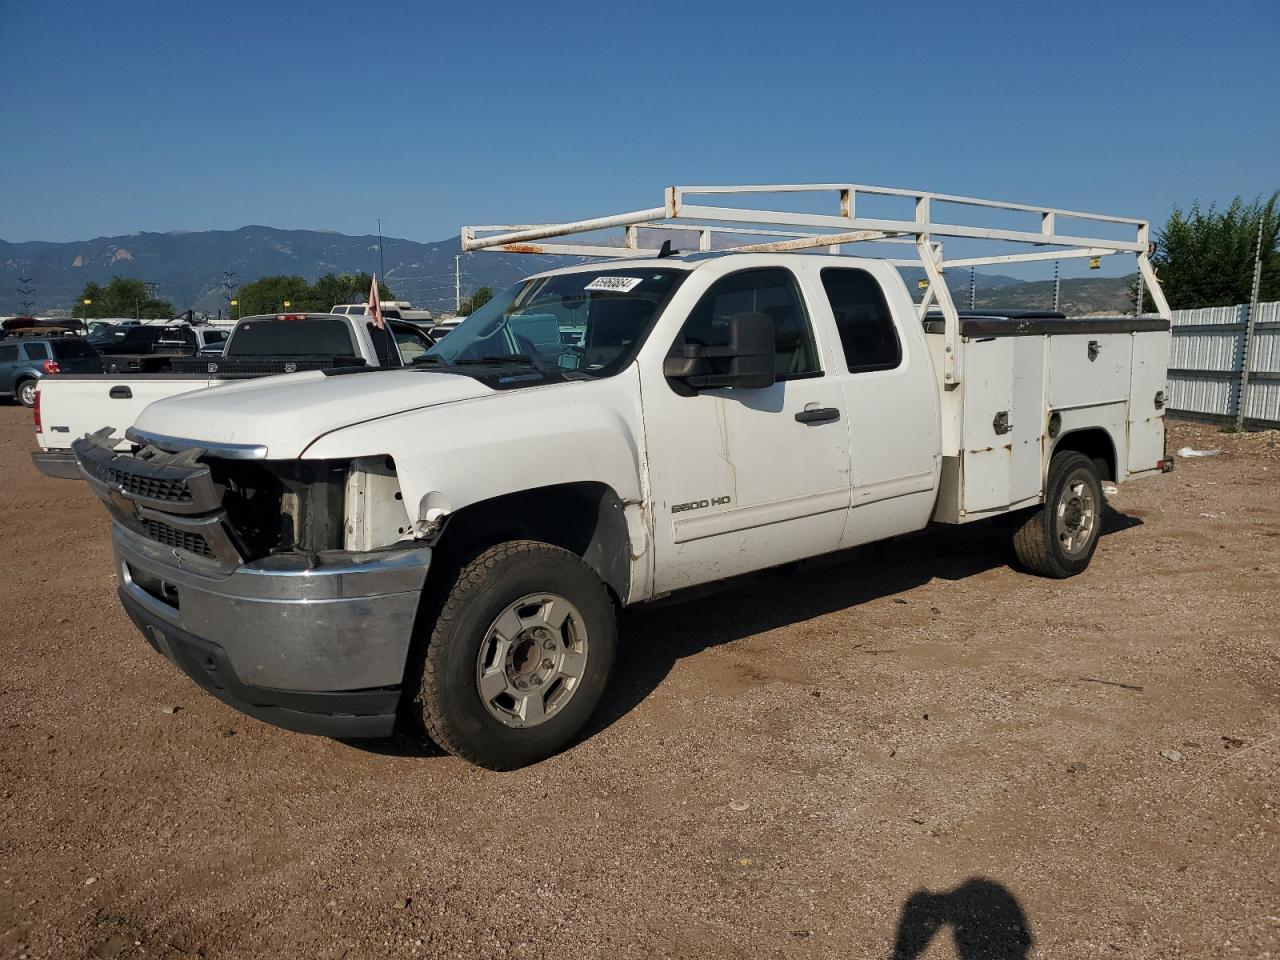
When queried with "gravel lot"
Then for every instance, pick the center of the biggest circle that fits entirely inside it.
(816, 765)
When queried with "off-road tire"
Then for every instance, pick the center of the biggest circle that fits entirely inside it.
(448, 700)
(1038, 542)
(25, 391)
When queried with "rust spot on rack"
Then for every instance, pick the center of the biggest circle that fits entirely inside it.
(521, 248)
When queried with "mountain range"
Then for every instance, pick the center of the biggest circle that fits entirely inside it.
(192, 269)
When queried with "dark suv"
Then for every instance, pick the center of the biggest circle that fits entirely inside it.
(25, 360)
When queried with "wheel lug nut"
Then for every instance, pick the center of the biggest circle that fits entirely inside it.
(547, 664)
(548, 644)
(520, 684)
(537, 681)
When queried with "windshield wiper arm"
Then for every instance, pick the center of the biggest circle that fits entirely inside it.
(518, 358)
(426, 358)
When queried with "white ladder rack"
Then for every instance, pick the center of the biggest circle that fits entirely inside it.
(771, 231)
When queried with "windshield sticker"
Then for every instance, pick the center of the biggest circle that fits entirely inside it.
(616, 284)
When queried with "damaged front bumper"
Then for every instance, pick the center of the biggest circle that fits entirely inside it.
(312, 642)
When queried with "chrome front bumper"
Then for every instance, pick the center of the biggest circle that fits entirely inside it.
(315, 645)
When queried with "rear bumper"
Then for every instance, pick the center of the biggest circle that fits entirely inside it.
(57, 463)
(317, 649)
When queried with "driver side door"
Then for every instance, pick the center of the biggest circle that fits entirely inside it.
(747, 478)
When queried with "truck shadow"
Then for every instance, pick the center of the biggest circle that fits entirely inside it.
(986, 922)
(655, 636)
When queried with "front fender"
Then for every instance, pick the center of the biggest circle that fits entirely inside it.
(450, 456)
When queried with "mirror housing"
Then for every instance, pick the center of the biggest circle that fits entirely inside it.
(746, 361)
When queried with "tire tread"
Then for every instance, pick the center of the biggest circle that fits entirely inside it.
(469, 579)
(1032, 541)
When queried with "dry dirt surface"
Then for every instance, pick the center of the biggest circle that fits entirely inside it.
(919, 752)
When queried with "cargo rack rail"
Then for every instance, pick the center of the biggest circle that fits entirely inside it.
(795, 231)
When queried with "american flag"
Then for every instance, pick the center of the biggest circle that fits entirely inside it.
(374, 309)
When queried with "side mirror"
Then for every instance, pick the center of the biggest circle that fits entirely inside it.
(746, 361)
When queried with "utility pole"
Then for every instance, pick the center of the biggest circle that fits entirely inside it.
(382, 266)
(1241, 406)
(1057, 286)
(457, 283)
(25, 289)
(229, 286)
(973, 287)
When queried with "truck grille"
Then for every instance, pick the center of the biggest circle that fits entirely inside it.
(167, 535)
(153, 488)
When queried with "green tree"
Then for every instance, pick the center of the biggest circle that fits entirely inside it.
(269, 294)
(1204, 257)
(477, 300)
(122, 297)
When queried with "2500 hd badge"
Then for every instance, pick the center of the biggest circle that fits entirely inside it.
(701, 504)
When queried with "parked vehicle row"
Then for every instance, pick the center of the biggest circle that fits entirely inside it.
(257, 347)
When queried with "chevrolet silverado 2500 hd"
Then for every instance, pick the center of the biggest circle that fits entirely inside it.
(258, 347)
(449, 542)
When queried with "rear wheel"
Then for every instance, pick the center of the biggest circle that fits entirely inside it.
(1058, 538)
(27, 393)
(519, 656)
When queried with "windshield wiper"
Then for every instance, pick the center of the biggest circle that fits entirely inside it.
(425, 358)
(517, 358)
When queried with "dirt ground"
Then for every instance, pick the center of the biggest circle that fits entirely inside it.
(837, 763)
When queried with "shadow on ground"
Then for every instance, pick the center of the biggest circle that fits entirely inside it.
(985, 920)
(655, 636)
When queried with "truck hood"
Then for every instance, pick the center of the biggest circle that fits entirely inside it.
(287, 413)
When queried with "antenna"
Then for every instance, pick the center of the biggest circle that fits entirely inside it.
(382, 267)
(665, 250)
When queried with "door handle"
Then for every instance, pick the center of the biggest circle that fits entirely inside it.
(818, 415)
(120, 393)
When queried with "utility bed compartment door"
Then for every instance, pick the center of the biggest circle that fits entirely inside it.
(1088, 370)
(1003, 419)
(1146, 419)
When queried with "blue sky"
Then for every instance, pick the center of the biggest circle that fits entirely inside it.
(178, 115)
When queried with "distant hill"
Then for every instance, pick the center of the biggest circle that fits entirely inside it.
(188, 269)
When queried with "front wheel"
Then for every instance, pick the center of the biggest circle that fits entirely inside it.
(27, 393)
(519, 656)
(1058, 538)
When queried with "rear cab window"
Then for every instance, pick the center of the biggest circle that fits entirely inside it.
(306, 337)
(868, 334)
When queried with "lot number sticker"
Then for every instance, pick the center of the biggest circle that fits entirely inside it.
(616, 284)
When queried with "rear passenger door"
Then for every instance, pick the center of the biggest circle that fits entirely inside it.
(892, 404)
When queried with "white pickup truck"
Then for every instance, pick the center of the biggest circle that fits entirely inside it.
(257, 347)
(448, 544)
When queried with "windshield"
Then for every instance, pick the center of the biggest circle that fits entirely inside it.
(591, 321)
(311, 337)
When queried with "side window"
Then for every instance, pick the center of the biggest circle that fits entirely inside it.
(8, 354)
(36, 351)
(384, 345)
(771, 291)
(867, 332)
(412, 344)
